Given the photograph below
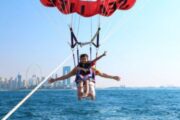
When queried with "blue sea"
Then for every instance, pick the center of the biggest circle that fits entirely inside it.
(123, 104)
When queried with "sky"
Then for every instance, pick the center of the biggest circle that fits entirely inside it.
(142, 44)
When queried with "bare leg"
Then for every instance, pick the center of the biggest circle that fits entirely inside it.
(80, 90)
(86, 88)
(64, 77)
(92, 92)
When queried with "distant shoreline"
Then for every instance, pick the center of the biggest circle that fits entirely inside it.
(108, 88)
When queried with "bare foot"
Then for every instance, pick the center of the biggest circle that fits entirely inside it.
(85, 95)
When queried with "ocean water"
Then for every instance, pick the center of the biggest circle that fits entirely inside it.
(124, 104)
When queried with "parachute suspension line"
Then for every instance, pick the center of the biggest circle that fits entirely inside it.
(99, 21)
(79, 20)
(90, 45)
(74, 59)
(97, 41)
(109, 24)
(65, 8)
(78, 55)
(35, 89)
(90, 50)
(91, 27)
(97, 50)
(71, 25)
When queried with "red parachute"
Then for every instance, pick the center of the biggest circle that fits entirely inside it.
(88, 8)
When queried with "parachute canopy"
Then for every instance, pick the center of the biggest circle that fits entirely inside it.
(88, 8)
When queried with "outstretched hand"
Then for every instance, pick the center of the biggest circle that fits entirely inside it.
(116, 78)
(105, 52)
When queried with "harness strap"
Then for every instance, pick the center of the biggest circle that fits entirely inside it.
(85, 77)
(75, 42)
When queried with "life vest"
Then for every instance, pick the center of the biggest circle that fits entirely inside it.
(82, 75)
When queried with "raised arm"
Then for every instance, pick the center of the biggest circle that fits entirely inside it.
(99, 57)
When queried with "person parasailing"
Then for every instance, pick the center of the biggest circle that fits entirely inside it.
(85, 83)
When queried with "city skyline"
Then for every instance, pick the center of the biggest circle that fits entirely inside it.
(17, 83)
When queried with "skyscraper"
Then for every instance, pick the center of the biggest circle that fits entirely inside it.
(56, 83)
(11, 85)
(19, 81)
(1, 82)
(67, 82)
